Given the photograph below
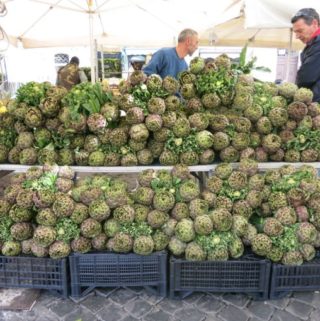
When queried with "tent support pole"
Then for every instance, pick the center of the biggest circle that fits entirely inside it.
(289, 55)
(102, 62)
(92, 50)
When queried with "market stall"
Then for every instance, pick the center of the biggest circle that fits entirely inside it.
(254, 219)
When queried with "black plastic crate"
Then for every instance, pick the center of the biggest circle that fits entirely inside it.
(92, 270)
(34, 272)
(289, 278)
(248, 274)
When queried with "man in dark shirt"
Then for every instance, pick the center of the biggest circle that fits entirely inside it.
(170, 61)
(305, 24)
(70, 75)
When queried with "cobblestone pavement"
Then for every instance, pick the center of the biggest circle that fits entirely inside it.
(137, 305)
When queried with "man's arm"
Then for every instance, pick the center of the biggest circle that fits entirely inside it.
(309, 72)
(155, 65)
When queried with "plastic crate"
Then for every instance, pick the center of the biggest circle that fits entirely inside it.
(289, 278)
(92, 270)
(248, 274)
(34, 272)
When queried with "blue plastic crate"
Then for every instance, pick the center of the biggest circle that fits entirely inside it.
(289, 278)
(35, 273)
(92, 270)
(248, 274)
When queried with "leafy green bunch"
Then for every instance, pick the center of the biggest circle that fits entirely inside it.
(288, 240)
(32, 93)
(5, 224)
(172, 186)
(305, 138)
(86, 98)
(219, 82)
(291, 181)
(244, 66)
(141, 96)
(233, 195)
(214, 240)
(67, 230)
(136, 229)
(180, 145)
(123, 150)
(163, 185)
(7, 137)
(262, 98)
(46, 181)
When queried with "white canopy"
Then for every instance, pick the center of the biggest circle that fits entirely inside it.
(271, 14)
(115, 23)
(262, 23)
(234, 33)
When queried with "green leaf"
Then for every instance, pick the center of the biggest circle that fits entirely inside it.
(243, 54)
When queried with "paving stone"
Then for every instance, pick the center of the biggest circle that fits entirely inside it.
(312, 298)
(280, 303)
(112, 312)
(157, 315)
(81, 314)
(46, 318)
(26, 314)
(78, 300)
(315, 315)
(193, 298)
(232, 313)
(130, 318)
(151, 298)
(255, 319)
(138, 308)
(189, 314)
(238, 299)
(122, 296)
(46, 298)
(170, 306)
(136, 289)
(261, 309)
(199, 307)
(42, 310)
(281, 315)
(62, 309)
(209, 304)
(212, 317)
(217, 295)
(105, 292)
(11, 316)
(95, 303)
(299, 309)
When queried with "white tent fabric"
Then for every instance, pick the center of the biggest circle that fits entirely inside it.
(263, 23)
(234, 33)
(116, 23)
(269, 14)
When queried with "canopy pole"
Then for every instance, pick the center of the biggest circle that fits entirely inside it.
(92, 49)
(102, 62)
(289, 55)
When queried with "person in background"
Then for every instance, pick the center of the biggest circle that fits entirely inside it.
(70, 75)
(170, 61)
(136, 63)
(305, 24)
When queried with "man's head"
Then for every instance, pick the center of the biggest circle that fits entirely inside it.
(137, 62)
(189, 39)
(304, 23)
(75, 60)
